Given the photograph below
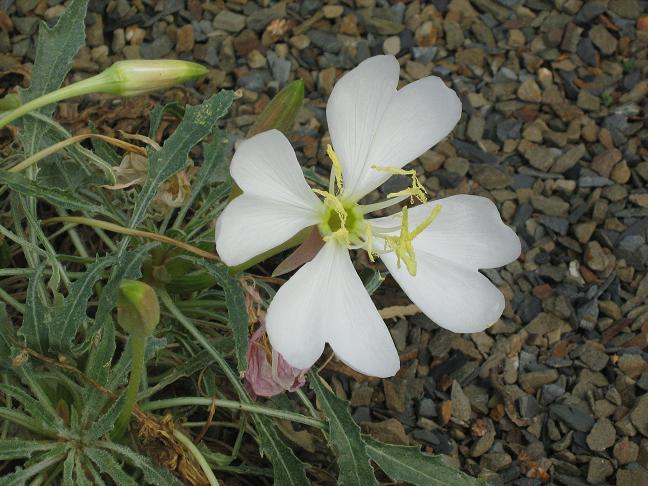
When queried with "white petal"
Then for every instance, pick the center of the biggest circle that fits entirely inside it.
(373, 124)
(456, 298)
(276, 202)
(419, 116)
(325, 301)
(265, 165)
(354, 111)
(251, 225)
(468, 230)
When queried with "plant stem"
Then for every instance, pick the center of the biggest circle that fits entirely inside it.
(202, 462)
(233, 405)
(11, 301)
(138, 344)
(95, 223)
(83, 87)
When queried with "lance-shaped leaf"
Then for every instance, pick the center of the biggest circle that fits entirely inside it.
(344, 436)
(404, 463)
(235, 300)
(44, 461)
(55, 49)
(172, 157)
(36, 315)
(71, 313)
(56, 197)
(108, 465)
(287, 469)
(15, 448)
(152, 474)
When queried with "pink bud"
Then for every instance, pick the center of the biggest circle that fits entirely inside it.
(265, 379)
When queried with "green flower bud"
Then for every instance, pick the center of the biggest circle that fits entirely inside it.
(138, 309)
(9, 102)
(130, 78)
(282, 111)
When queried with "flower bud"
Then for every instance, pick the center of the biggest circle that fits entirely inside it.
(138, 309)
(130, 78)
(9, 102)
(282, 111)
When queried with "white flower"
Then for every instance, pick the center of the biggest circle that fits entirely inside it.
(433, 251)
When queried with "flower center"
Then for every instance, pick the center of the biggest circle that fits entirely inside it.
(343, 220)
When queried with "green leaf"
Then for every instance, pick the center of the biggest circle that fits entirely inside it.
(236, 309)
(152, 473)
(56, 197)
(212, 167)
(7, 337)
(35, 408)
(106, 422)
(404, 463)
(287, 469)
(157, 113)
(68, 469)
(70, 314)
(55, 49)
(172, 157)
(34, 325)
(344, 436)
(38, 464)
(15, 448)
(108, 465)
(80, 468)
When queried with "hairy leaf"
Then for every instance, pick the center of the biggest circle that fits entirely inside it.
(106, 422)
(20, 476)
(70, 314)
(158, 112)
(235, 300)
(35, 408)
(287, 468)
(55, 50)
(68, 469)
(344, 436)
(56, 197)
(15, 448)
(172, 157)
(152, 473)
(34, 326)
(404, 463)
(108, 465)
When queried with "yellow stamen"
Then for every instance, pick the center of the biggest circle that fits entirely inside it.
(369, 240)
(337, 167)
(416, 191)
(401, 245)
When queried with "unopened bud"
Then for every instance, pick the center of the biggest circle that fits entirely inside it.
(129, 78)
(138, 309)
(282, 111)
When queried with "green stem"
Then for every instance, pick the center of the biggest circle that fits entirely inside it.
(80, 88)
(11, 301)
(202, 462)
(138, 344)
(233, 405)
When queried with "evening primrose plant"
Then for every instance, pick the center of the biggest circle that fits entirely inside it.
(130, 354)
